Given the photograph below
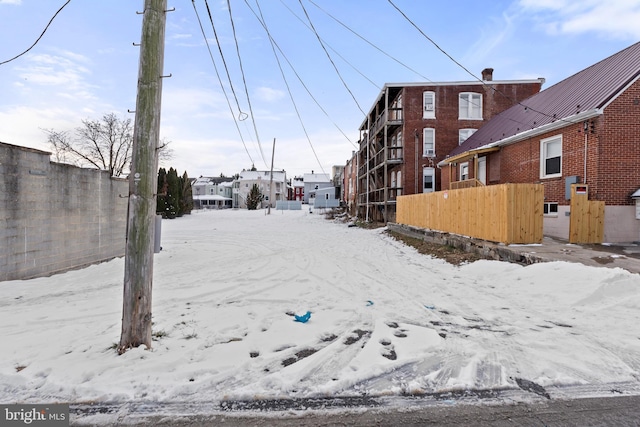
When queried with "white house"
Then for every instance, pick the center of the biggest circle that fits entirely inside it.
(273, 192)
(211, 193)
(313, 182)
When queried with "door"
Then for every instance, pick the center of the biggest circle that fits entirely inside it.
(482, 170)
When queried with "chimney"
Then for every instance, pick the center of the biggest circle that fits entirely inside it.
(487, 74)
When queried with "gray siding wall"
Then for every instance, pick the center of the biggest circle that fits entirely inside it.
(56, 217)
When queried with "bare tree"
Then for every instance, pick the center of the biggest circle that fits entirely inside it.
(104, 144)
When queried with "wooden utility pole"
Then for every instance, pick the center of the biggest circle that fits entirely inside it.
(138, 268)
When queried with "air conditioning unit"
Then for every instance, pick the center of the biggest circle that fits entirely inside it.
(430, 153)
(428, 107)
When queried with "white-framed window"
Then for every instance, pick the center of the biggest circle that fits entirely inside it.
(551, 157)
(550, 209)
(428, 105)
(463, 134)
(470, 106)
(464, 171)
(393, 179)
(399, 183)
(428, 180)
(429, 142)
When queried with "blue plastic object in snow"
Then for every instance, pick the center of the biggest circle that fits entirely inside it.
(369, 302)
(302, 319)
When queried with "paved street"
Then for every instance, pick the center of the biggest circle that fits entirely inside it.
(610, 412)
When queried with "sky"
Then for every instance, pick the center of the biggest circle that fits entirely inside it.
(385, 321)
(333, 58)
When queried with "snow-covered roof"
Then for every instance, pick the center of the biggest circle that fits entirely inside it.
(210, 197)
(254, 175)
(317, 177)
(636, 194)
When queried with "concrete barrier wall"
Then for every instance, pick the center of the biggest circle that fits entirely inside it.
(55, 217)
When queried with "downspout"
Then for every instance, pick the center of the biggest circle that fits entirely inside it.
(416, 142)
(586, 139)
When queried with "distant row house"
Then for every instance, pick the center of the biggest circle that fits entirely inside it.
(212, 193)
(585, 129)
(273, 188)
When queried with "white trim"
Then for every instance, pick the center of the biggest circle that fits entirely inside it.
(470, 104)
(549, 127)
(620, 92)
(543, 143)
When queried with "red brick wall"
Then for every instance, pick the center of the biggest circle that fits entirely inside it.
(618, 161)
(612, 151)
(447, 124)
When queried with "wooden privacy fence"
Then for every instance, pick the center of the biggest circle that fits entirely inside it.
(506, 213)
(586, 224)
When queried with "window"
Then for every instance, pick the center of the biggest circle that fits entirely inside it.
(393, 179)
(551, 157)
(428, 105)
(429, 142)
(464, 171)
(428, 180)
(470, 106)
(393, 146)
(399, 187)
(551, 209)
(463, 134)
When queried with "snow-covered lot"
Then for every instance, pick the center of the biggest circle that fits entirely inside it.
(385, 320)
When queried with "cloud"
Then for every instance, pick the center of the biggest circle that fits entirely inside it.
(491, 38)
(61, 70)
(269, 95)
(613, 18)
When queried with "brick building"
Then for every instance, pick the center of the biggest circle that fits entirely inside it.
(349, 184)
(584, 129)
(413, 126)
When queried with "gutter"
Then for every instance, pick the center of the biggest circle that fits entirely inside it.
(558, 124)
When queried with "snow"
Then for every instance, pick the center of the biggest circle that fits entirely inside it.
(385, 320)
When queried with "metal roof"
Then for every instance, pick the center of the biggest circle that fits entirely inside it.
(573, 98)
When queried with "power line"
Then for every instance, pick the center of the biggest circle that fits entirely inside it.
(367, 41)
(241, 115)
(220, 80)
(38, 39)
(470, 73)
(330, 59)
(296, 73)
(244, 81)
(335, 51)
(287, 84)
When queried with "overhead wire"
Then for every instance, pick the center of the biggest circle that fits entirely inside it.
(331, 59)
(220, 81)
(244, 81)
(295, 106)
(41, 35)
(470, 73)
(304, 85)
(332, 49)
(368, 42)
(241, 114)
